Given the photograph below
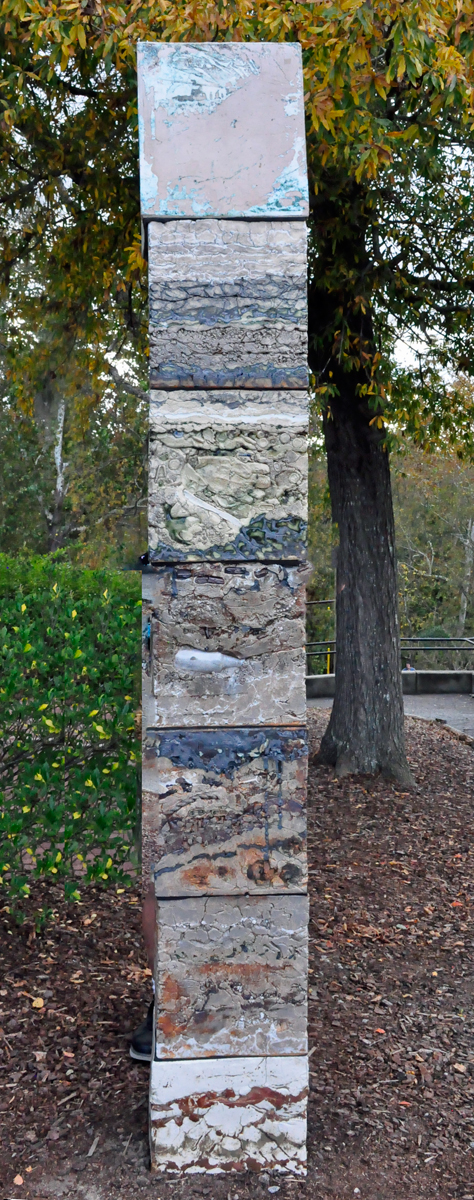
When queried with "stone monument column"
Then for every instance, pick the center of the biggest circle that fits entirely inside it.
(224, 203)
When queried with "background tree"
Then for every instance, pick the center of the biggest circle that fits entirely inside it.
(74, 317)
(433, 499)
(389, 94)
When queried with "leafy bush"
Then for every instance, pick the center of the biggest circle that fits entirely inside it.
(69, 753)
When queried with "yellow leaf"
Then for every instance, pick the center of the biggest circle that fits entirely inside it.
(109, 863)
(41, 707)
(58, 856)
(23, 608)
(74, 613)
(39, 777)
(76, 815)
(93, 712)
(81, 37)
(27, 647)
(90, 783)
(78, 653)
(26, 808)
(38, 1003)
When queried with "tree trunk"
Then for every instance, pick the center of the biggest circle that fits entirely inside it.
(50, 413)
(366, 730)
(466, 584)
(55, 516)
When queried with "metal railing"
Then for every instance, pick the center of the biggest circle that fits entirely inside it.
(411, 647)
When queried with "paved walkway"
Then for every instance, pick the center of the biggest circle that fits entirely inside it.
(456, 711)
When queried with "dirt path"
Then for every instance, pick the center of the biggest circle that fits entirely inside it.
(455, 710)
(391, 1010)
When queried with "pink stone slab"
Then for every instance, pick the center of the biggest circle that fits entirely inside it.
(222, 130)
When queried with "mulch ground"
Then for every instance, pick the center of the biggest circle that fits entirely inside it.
(391, 1012)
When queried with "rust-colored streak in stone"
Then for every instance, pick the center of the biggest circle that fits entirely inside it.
(251, 1114)
(231, 976)
(223, 811)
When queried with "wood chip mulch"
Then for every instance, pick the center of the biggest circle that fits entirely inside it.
(391, 1009)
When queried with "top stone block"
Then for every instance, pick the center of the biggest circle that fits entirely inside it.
(222, 130)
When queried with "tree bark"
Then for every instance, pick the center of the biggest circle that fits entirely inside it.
(366, 729)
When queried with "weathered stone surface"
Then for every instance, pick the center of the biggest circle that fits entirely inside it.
(224, 811)
(259, 407)
(235, 1114)
(227, 644)
(228, 305)
(221, 130)
(223, 484)
(231, 976)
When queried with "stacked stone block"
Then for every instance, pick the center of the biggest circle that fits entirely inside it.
(224, 201)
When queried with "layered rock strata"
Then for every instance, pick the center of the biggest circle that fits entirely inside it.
(224, 200)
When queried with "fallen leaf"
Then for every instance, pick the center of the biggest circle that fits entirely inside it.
(38, 1003)
(459, 1067)
(18, 1180)
(380, 1030)
(68, 1054)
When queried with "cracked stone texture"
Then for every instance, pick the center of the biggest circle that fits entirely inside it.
(234, 1114)
(228, 304)
(222, 486)
(224, 811)
(231, 976)
(221, 130)
(226, 644)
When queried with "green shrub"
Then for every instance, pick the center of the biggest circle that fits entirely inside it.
(69, 690)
